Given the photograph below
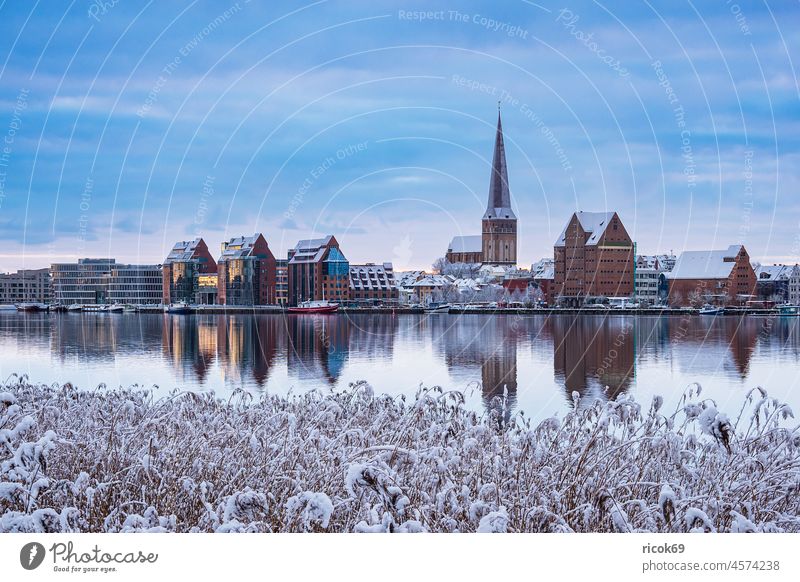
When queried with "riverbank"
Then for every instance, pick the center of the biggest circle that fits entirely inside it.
(457, 310)
(120, 460)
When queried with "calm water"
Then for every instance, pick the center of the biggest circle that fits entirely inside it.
(537, 360)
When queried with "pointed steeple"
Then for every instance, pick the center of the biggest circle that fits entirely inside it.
(499, 205)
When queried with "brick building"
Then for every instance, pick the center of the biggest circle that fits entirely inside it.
(465, 249)
(372, 284)
(318, 270)
(723, 277)
(182, 268)
(594, 257)
(246, 273)
(497, 243)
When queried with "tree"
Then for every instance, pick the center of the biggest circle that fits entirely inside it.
(439, 265)
(695, 299)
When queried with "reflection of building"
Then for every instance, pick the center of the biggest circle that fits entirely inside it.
(372, 283)
(593, 258)
(25, 286)
(182, 269)
(318, 346)
(497, 243)
(716, 277)
(318, 270)
(596, 362)
(281, 281)
(135, 284)
(248, 346)
(246, 272)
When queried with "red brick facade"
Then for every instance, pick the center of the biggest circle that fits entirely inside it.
(731, 283)
(593, 257)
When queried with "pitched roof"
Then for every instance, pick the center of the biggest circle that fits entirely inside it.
(705, 264)
(310, 250)
(499, 204)
(239, 247)
(594, 223)
(183, 251)
(466, 244)
(773, 272)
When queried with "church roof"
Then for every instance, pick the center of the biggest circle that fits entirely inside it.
(466, 244)
(499, 204)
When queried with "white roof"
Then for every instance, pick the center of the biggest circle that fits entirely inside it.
(466, 244)
(705, 264)
(773, 272)
(591, 222)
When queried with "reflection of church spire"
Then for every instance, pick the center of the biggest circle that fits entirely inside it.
(499, 382)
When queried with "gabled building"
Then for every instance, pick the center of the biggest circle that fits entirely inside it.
(722, 277)
(318, 270)
(465, 249)
(772, 282)
(182, 268)
(497, 243)
(371, 283)
(794, 285)
(593, 257)
(246, 272)
(544, 272)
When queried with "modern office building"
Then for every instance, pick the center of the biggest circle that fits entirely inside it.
(722, 277)
(25, 286)
(246, 272)
(84, 283)
(135, 284)
(594, 257)
(373, 284)
(182, 268)
(318, 270)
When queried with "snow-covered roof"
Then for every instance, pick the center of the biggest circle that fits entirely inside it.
(466, 244)
(239, 247)
(594, 223)
(705, 264)
(773, 272)
(371, 277)
(310, 250)
(433, 281)
(182, 251)
(544, 269)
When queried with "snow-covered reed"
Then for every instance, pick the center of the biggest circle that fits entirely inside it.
(120, 460)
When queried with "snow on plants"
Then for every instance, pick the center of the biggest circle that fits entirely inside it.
(120, 460)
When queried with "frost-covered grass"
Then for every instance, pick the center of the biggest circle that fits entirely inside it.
(120, 460)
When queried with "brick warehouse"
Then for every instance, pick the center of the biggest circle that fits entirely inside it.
(594, 257)
(182, 268)
(318, 270)
(723, 277)
(246, 272)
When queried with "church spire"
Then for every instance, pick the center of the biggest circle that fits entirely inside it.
(499, 204)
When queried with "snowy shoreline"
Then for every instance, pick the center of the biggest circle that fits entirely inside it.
(120, 460)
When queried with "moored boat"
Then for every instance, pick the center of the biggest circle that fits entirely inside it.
(438, 308)
(180, 308)
(711, 310)
(116, 308)
(789, 309)
(74, 308)
(31, 307)
(322, 306)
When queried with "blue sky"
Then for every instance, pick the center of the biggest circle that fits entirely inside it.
(125, 126)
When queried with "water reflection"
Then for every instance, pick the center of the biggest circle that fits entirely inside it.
(511, 358)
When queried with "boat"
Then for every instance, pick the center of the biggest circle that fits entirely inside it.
(180, 308)
(789, 309)
(319, 306)
(116, 308)
(438, 308)
(711, 310)
(31, 307)
(74, 308)
(95, 308)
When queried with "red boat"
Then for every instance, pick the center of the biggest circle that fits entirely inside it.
(323, 306)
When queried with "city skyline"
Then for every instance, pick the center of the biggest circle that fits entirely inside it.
(376, 124)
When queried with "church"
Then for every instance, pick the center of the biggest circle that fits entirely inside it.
(497, 243)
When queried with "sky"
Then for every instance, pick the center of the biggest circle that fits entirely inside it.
(127, 126)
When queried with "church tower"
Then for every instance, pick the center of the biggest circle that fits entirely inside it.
(499, 224)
